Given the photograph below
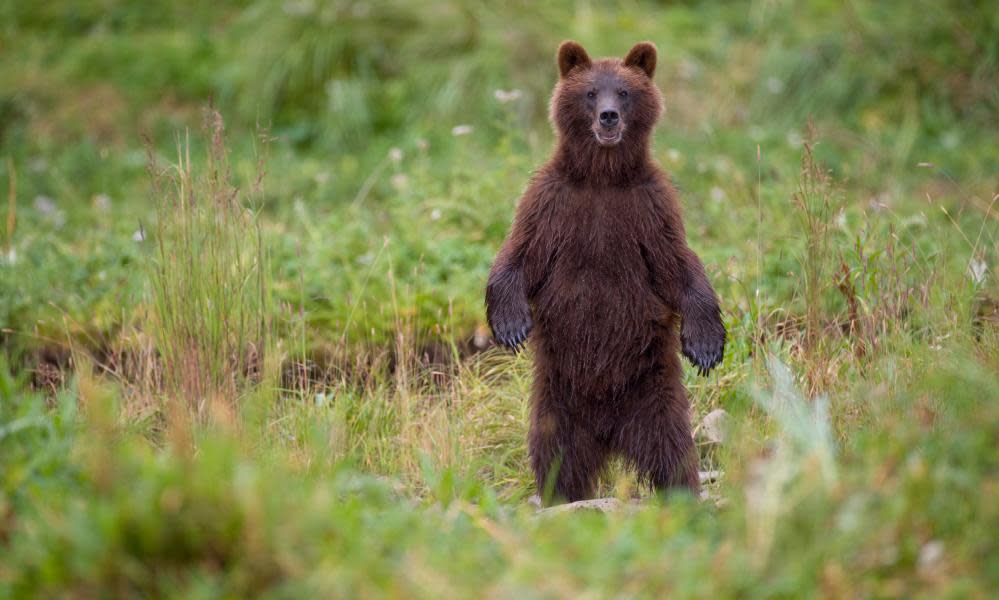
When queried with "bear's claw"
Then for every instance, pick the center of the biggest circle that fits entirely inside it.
(703, 346)
(513, 335)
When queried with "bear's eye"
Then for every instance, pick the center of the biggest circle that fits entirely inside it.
(623, 93)
(591, 94)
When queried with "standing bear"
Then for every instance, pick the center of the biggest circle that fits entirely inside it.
(597, 274)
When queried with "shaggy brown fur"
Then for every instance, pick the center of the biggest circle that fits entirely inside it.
(597, 273)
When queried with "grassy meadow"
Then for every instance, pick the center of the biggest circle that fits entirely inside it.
(243, 254)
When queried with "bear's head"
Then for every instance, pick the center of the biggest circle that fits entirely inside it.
(607, 101)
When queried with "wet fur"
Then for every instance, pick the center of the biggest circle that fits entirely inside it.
(596, 274)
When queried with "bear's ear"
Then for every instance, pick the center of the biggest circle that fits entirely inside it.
(570, 56)
(643, 56)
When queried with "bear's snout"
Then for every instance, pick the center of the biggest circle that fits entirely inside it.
(609, 117)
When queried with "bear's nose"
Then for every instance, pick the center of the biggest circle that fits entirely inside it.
(608, 118)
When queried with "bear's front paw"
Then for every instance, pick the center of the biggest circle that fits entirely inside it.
(703, 343)
(513, 332)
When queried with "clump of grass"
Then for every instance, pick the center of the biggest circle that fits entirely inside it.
(815, 201)
(209, 287)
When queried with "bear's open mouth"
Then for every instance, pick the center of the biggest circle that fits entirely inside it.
(608, 138)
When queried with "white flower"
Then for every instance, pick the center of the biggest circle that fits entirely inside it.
(505, 96)
(977, 270)
(395, 154)
(794, 139)
(102, 202)
(399, 181)
(673, 155)
(461, 130)
(435, 214)
(841, 219)
(139, 235)
(930, 557)
(48, 208)
(45, 205)
(717, 194)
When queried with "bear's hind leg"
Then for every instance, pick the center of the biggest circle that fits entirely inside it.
(565, 457)
(655, 437)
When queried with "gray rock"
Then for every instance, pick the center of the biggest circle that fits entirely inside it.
(599, 504)
(714, 426)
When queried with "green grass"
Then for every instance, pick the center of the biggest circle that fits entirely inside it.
(227, 386)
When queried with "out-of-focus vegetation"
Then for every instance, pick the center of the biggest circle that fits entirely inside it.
(224, 385)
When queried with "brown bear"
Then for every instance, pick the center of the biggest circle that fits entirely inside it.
(597, 274)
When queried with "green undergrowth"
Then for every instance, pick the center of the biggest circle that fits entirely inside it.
(258, 366)
(901, 505)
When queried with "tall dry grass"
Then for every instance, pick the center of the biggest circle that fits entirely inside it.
(208, 295)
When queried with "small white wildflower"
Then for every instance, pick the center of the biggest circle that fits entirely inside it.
(11, 257)
(978, 270)
(365, 259)
(717, 194)
(139, 235)
(841, 219)
(102, 202)
(929, 558)
(435, 214)
(45, 205)
(399, 181)
(774, 85)
(422, 144)
(395, 154)
(298, 205)
(461, 130)
(794, 139)
(673, 155)
(505, 96)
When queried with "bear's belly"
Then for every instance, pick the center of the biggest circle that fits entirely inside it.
(601, 326)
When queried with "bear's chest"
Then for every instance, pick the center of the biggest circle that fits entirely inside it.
(601, 230)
